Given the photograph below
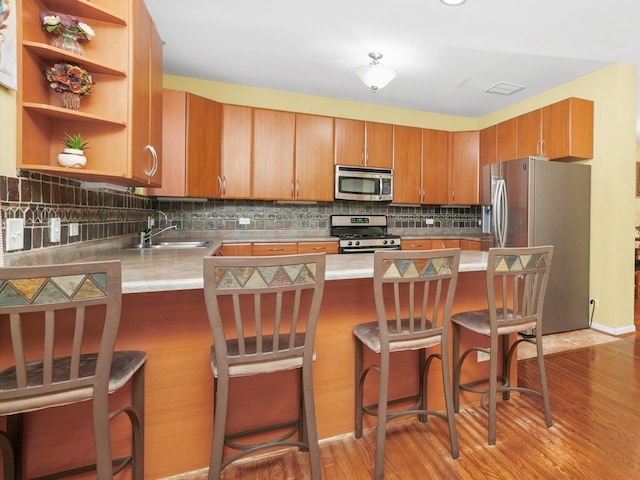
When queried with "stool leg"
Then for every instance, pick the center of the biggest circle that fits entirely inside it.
(457, 366)
(221, 395)
(381, 427)
(101, 433)
(310, 420)
(543, 382)
(493, 381)
(358, 386)
(138, 430)
(448, 398)
(11, 446)
(423, 374)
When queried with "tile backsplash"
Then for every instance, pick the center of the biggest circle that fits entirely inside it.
(103, 214)
(100, 214)
(264, 215)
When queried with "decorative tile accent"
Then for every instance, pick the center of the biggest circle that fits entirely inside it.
(43, 290)
(264, 277)
(408, 268)
(517, 263)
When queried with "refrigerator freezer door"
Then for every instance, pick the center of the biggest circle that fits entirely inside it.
(561, 217)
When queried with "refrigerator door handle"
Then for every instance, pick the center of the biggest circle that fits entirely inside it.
(500, 212)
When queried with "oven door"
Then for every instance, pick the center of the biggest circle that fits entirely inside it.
(367, 249)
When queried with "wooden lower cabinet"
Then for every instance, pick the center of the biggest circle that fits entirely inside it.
(419, 244)
(475, 245)
(318, 247)
(280, 248)
(436, 244)
(235, 250)
(276, 248)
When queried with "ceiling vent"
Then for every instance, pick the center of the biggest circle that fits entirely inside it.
(504, 88)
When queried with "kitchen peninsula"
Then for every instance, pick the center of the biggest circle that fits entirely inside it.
(163, 313)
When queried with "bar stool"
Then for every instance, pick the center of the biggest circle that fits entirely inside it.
(516, 286)
(413, 292)
(263, 313)
(85, 298)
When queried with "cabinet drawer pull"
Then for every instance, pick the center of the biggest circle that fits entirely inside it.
(276, 249)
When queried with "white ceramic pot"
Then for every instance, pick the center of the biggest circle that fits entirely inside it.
(72, 158)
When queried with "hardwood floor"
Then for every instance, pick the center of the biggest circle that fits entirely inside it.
(595, 393)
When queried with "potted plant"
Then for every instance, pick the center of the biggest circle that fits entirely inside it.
(73, 153)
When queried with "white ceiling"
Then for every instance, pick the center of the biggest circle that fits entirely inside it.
(445, 57)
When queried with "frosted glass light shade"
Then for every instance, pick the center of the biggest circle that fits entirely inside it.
(375, 76)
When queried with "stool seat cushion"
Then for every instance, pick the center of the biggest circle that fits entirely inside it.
(123, 366)
(369, 334)
(479, 321)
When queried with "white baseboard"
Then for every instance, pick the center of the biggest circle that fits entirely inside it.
(614, 331)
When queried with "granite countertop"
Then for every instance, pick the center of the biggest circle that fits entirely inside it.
(156, 270)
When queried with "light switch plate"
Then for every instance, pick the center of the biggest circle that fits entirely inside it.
(54, 230)
(15, 234)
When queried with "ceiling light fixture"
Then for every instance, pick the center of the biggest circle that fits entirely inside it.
(375, 75)
(453, 3)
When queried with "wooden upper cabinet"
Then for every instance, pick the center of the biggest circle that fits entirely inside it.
(349, 138)
(362, 143)
(273, 154)
(567, 129)
(530, 134)
(235, 170)
(314, 155)
(192, 150)
(435, 167)
(488, 145)
(407, 165)
(465, 163)
(378, 145)
(507, 140)
(146, 99)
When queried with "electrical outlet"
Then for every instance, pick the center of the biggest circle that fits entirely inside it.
(243, 221)
(482, 356)
(74, 230)
(428, 221)
(15, 234)
(54, 230)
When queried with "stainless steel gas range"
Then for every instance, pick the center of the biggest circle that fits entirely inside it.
(363, 233)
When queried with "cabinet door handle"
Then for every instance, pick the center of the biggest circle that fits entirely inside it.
(154, 167)
(224, 185)
(220, 191)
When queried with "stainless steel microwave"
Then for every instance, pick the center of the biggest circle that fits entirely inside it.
(363, 183)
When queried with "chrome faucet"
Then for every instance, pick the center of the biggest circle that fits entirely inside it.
(148, 234)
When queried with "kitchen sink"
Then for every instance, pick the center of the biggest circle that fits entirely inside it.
(170, 245)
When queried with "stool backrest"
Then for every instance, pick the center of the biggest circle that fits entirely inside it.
(266, 308)
(50, 306)
(414, 292)
(517, 279)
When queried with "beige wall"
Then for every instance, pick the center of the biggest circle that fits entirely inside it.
(7, 132)
(613, 167)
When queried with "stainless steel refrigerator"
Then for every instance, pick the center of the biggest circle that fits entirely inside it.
(533, 201)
